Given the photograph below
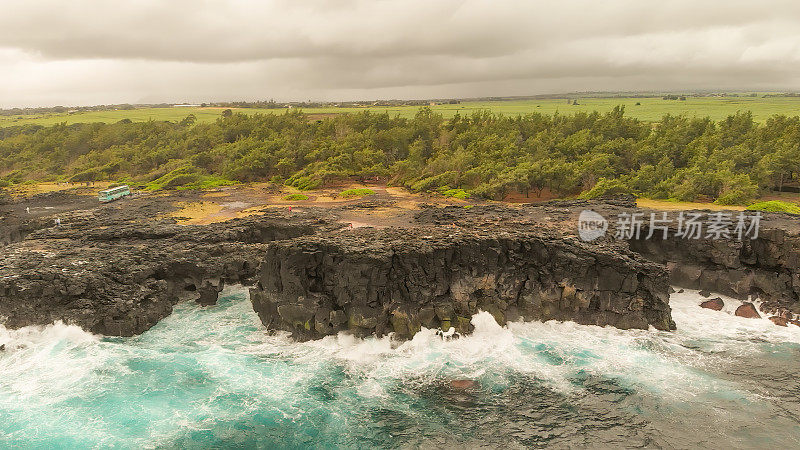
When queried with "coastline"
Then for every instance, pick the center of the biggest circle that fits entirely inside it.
(118, 269)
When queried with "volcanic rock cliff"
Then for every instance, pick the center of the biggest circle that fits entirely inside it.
(381, 281)
(767, 268)
(117, 270)
(120, 279)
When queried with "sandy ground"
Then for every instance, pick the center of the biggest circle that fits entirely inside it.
(683, 206)
(27, 190)
(388, 206)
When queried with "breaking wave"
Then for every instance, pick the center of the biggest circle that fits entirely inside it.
(212, 376)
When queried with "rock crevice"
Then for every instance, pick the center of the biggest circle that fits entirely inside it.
(382, 281)
(767, 268)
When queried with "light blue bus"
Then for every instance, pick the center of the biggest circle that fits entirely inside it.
(112, 194)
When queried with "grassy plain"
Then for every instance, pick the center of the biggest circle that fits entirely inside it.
(649, 109)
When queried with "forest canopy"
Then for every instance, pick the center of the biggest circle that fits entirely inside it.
(483, 154)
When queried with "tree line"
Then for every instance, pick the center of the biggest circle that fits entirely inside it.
(483, 154)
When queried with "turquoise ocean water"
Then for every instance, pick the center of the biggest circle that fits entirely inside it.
(213, 377)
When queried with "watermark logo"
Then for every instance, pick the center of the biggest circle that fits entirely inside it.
(687, 225)
(591, 225)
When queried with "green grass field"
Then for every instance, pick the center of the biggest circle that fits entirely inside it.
(649, 109)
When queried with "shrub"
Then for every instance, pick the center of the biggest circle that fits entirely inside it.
(456, 193)
(775, 206)
(86, 175)
(304, 182)
(187, 177)
(181, 179)
(607, 187)
(295, 197)
(207, 182)
(734, 197)
(15, 177)
(737, 190)
(443, 179)
(353, 193)
(489, 191)
(177, 177)
(96, 174)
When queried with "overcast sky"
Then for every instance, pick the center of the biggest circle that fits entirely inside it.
(86, 52)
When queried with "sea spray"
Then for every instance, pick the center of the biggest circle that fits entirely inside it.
(214, 376)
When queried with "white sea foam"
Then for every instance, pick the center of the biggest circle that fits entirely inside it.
(554, 351)
(37, 335)
(550, 351)
(230, 367)
(38, 363)
(723, 327)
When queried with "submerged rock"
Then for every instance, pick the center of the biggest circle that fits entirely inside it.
(462, 384)
(747, 310)
(715, 303)
(780, 321)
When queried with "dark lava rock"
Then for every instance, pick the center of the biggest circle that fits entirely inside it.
(704, 293)
(621, 200)
(393, 280)
(370, 204)
(748, 310)
(768, 265)
(117, 269)
(715, 303)
(120, 278)
(466, 216)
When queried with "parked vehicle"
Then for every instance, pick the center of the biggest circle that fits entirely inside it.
(112, 194)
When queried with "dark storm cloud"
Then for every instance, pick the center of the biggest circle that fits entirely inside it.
(101, 52)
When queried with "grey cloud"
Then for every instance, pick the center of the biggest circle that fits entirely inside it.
(210, 31)
(83, 51)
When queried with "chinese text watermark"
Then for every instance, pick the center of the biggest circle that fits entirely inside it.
(687, 225)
